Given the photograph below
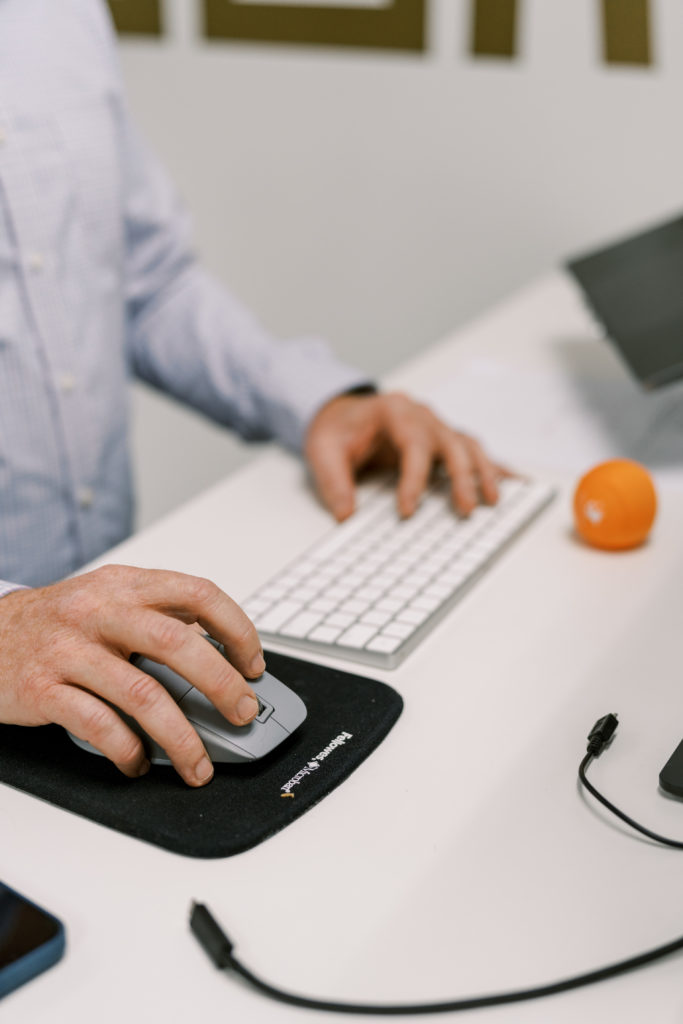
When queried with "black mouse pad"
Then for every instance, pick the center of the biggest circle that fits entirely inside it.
(348, 716)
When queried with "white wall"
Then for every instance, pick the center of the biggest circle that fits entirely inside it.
(382, 199)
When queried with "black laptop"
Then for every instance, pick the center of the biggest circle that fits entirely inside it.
(635, 288)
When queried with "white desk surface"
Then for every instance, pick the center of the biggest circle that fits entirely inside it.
(461, 857)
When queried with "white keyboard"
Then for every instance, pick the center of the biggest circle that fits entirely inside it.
(373, 587)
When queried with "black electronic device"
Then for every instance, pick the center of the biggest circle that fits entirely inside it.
(634, 288)
(671, 775)
(31, 940)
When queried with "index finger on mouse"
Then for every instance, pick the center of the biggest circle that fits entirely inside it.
(196, 599)
(164, 638)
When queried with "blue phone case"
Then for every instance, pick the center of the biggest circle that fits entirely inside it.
(36, 960)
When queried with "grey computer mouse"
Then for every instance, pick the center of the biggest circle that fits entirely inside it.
(281, 711)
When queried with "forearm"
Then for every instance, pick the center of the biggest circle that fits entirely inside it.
(197, 342)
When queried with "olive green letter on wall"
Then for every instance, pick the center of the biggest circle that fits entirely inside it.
(626, 31)
(378, 24)
(494, 28)
(137, 16)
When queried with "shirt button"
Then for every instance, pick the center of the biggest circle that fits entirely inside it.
(35, 261)
(66, 381)
(85, 497)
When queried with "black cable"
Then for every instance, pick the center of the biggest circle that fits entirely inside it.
(219, 948)
(598, 738)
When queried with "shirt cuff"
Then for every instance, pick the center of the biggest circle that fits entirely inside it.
(308, 380)
(9, 588)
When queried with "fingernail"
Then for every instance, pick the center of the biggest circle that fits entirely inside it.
(143, 767)
(203, 771)
(247, 708)
(258, 665)
(341, 508)
(407, 507)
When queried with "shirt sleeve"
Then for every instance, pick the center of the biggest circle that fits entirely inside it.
(188, 336)
(8, 588)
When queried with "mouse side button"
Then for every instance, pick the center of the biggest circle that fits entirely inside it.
(288, 708)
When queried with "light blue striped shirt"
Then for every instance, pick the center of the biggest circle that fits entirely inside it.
(98, 282)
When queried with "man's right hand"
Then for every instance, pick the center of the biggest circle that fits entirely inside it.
(64, 653)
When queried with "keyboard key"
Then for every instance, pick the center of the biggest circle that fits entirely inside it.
(414, 616)
(301, 624)
(256, 607)
(324, 634)
(385, 644)
(440, 590)
(376, 617)
(357, 636)
(338, 592)
(389, 575)
(368, 593)
(398, 629)
(341, 619)
(452, 578)
(293, 575)
(389, 604)
(272, 593)
(274, 619)
(425, 603)
(322, 604)
(354, 606)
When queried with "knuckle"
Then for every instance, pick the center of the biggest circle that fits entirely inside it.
(110, 571)
(37, 693)
(126, 751)
(403, 405)
(186, 744)
(111, 576)
(142, 691)
(167, 634)
(75, 605)
(202, 591)
(97, 722)
(64, 651)
(398, 403)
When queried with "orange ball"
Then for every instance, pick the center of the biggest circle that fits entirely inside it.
(615, 504)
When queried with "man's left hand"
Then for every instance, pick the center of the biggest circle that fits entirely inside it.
(355, 432)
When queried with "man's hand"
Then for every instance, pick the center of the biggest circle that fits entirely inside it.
(65, 651)
(353, 432)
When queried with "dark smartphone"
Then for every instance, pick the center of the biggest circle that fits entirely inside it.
(31, 940)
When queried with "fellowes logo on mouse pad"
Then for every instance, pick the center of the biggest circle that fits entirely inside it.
(348, 717)
(314, 764)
